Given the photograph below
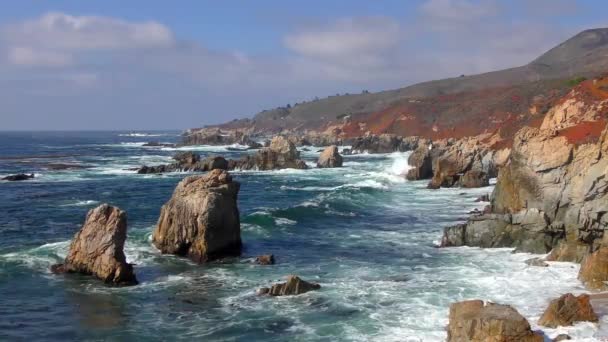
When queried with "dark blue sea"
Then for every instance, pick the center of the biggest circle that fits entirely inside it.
(363, 232)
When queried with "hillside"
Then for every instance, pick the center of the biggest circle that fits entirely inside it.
(453, 107)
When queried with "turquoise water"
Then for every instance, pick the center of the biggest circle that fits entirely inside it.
(363, 232)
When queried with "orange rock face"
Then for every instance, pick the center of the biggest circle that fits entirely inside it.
(567, 310)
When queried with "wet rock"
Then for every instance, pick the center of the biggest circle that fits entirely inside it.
(330, 158)
(62, 166)
(18, 177)
(538, 262)
(267, 259)
(97, 249)
(483, 198)
(186, 158)
(474, 179)
(384, 143)
(347, 152)
(475, 321)
(594, 270)
(293, 286)
(568, 310)
(215, 136)
(157, 144)
(189, 162)
(201, 220)
(562, 337)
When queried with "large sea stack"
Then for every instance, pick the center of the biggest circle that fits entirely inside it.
(330, 157)
(97, 249)
(201, 220)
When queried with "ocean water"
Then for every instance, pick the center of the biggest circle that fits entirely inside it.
(363, 232)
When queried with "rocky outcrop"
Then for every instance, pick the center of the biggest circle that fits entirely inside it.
(187, 162)
(157, 144)
(568, 310)
(215, 136)
(555, 172)
(594, 270)
(97, 249)
(475, 321)
(281, 154)
(201, 220)
(387, 143)
(330, 158)
(527, 231)
(293, 286)
(266, 259)
(18, 177)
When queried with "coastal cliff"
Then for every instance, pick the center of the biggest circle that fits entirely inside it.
(552, 193)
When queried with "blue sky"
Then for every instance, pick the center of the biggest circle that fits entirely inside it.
(173, 65)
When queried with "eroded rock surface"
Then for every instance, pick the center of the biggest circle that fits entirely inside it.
(330, 158)
(280, 154)
(201, 220)
(293, 286)
(568, 310)
(97, 249)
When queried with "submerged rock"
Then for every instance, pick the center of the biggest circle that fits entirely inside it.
(330, 158)
(538, 262)
(201, 220)
(568, 310)
(18, 177)
(267, 259)
(293, 286)
(97, 249)
(475, 321)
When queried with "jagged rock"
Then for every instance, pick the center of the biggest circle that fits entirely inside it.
(347, 152)
(475, 321)
(594, 270)
(420, 162)
(567, 310)
(562, 337)
(157, 144)
(18, 177)
(383, 143)
(267, 259)
(214, 136)
(187, 161)
(538, 262)
(474, 179)
(330, 158)
(201, 220)
(97, 249)
(281, 154)
(293, 286)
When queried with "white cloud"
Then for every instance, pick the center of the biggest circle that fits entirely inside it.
(345, 38)
(54, 38)
(450, 11)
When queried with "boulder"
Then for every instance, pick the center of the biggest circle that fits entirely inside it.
(189, 162)
(538, 262)
(267, 259)
(281, 154)
(186, 158)
(201, 220)
(483, 198)
(383, 143)
(568, 310)
(330, 158)
(474, 179)
(18, 177)
(562, 337)
(475, 321)
(97, 249)
(594, 270)
(293, 286)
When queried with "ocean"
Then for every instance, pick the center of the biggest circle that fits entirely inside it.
(362, 231)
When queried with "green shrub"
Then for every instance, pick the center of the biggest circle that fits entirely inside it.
(576, 81)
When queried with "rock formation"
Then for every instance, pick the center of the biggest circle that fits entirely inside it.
(330, 158)
(387, 143)
(189, 162)
(266, 259)
(567, 310)
(97, 249)
(475, 321)
(421, 164)
(201, 220)
(281, 154)
(594, 270)
(215, 136)
(18, 177)
(293, 286)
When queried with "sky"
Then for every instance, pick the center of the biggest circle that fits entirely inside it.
(144, 65)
